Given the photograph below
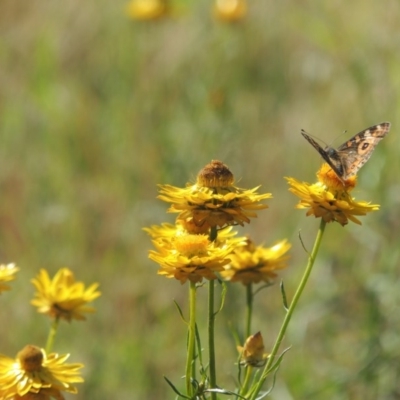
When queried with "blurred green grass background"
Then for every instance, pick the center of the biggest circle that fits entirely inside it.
(96, 110)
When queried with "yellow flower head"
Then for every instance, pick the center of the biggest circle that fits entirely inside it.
(191, 257)
(252, 353)
(253, 264)
(63, 297)
(147, 9)
(330, 198)
(7, 273)
(213, 200)
(183, 255)
(230, 10)
(35, 375)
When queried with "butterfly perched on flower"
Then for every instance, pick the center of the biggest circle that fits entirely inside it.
(348, 158)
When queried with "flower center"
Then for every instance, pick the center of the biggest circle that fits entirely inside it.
(192, 245)
(215, 174)
(30, 358)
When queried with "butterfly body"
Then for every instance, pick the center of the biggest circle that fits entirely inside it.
(348, 158)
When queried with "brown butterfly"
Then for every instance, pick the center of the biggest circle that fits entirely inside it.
(348, 158)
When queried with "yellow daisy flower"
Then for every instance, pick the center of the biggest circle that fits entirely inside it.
(213, 200)
(147, 9)
(252, 353)
(230, 10)
(63, 297)
(253, 264)
(330, 198)
(191, 257)
(7, 273)
(36, 375)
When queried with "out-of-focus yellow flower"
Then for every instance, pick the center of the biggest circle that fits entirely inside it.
(253, 264)
(213, 200)
(191, 257)
(252, 353)
(35, 375)
(330, 198)
(63, 297)
(147, 9)
(7, 274)
(230, 10)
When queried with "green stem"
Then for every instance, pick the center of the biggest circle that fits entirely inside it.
(211, 320)
(191, 338)
(211, 344)
(52, 335)
(292, 307)
(249, 304)
(249, 370)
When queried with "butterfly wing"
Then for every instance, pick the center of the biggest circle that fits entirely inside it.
(329, 154)
(354, 153)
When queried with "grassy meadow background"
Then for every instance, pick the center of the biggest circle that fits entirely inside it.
(97, 109)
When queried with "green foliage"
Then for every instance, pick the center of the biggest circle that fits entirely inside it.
(95, 110)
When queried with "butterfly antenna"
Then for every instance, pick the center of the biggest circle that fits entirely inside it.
(343, 133)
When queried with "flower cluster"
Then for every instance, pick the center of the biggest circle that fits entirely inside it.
(201, 245)
(37, 374)
(201, 242)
